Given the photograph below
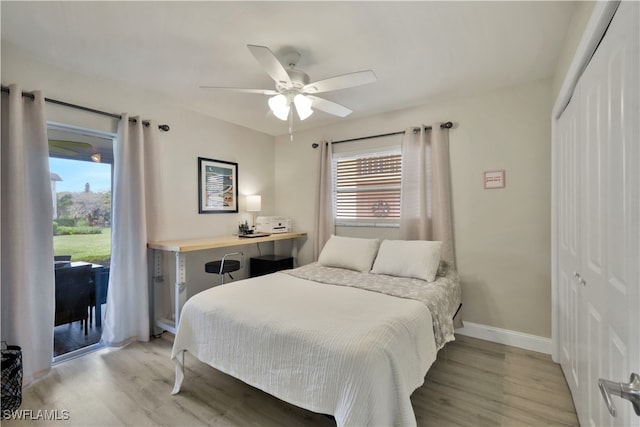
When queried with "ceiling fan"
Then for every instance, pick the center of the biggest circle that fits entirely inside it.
(70, 149)
(293, 87)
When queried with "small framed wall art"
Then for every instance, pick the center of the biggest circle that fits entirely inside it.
(494, 179)
(217, 186)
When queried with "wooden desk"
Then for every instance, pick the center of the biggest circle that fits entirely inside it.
(218, 242)
(180, 248)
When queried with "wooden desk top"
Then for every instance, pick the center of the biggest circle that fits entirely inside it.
(189, 245)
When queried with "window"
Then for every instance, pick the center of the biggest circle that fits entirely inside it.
(81, 161)
(367, 188)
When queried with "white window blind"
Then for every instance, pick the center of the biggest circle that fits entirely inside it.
(367, 188)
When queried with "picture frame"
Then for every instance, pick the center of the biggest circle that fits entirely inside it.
(217, 186)
(494, 179)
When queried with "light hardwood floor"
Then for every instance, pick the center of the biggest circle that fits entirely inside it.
(473, 383)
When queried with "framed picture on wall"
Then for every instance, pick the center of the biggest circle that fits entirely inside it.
(217, 186)
(494, 179)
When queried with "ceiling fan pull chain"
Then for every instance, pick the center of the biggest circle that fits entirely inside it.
(291, 125)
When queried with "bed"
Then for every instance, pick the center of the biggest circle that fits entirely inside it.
(338, 336)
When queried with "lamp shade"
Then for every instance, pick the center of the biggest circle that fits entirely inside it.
(280, 106)
(254, 203)
(303, 106)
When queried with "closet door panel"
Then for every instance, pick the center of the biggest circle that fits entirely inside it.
(610, 216)
(594, 96)
(623, 233)
(569, 242)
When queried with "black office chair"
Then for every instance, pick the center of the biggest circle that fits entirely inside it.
(225, 266)
(73, 293)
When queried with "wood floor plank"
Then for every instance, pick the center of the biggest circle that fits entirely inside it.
(473, 383)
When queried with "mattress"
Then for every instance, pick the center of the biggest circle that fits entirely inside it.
(326, 345)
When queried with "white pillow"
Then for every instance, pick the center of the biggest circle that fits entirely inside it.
(418, 259)
(349, 252)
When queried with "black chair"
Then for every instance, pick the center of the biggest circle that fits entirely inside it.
(224, 266)
(73, 295)
(98, 293)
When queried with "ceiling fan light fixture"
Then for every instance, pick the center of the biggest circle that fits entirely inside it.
(96, 157)
(303, 106)
(293, 86)
(279, 106)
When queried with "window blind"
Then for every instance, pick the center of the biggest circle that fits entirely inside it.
(367, 187)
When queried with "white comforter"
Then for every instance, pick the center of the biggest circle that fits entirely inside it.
(352, 353)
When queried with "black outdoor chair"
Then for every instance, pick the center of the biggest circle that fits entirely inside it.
(73, 293)
(99, 293)
(60, 261)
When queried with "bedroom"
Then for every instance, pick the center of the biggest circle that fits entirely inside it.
(503, 237)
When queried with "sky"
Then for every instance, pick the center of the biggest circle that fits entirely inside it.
(75, 174)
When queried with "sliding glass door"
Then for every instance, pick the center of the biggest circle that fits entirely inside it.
(81, 165)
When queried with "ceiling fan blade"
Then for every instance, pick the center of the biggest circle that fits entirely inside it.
(329, 106)
(242, 90)
(270, 63)
(341, 82)
(69, 148)
(60, 150)
(69, 144)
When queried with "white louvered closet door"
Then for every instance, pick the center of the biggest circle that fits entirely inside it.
(598, 190)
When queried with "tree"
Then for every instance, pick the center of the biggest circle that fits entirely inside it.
(94, 207)
(65, 201)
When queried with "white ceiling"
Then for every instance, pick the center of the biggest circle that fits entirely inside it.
(419, 50)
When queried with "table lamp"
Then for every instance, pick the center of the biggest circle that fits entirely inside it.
(254, 204)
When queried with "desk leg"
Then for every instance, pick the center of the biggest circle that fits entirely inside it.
(179, 298)
(180, 287)
(157, 292)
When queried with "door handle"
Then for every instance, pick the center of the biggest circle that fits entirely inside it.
(579, 277)
(629, 391)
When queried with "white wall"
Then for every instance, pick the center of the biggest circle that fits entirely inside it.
(502, 237)
(192, 135)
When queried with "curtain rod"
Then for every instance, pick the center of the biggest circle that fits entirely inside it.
(90, 110)
(446, 125)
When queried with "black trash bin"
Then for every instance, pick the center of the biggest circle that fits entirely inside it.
(11, 378)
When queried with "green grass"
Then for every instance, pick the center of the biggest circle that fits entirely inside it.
(94, 248)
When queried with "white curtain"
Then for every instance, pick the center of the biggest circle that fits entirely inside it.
(425, 212)
(325, 225)
(127, 315)
(28, 283)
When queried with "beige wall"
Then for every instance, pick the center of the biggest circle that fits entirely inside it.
(502, 237)
(192, 135)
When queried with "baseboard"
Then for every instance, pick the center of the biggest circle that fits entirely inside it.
(507, 337)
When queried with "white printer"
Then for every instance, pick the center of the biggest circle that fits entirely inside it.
(273, 224)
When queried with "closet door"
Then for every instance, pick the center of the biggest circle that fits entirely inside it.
(599, 224)
(610, 215)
